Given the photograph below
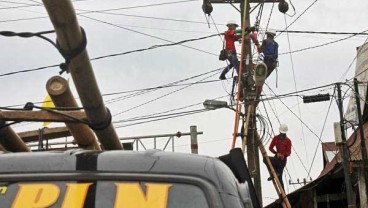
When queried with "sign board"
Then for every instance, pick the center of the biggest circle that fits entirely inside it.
(361, 73)
(101, 194)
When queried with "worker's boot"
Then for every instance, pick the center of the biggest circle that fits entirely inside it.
(223, 73)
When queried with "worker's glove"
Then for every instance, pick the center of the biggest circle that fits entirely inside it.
(253, 36)
(250, 29)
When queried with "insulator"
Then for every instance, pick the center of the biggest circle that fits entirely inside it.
(207, 8)
(283, 6)
(260, 74)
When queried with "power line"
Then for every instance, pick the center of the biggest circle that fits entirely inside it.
(160, 97)
(145, 34)
(355, 57)
(295, 115)
(296, 89)
(299, 16)
(29, 5)
(323, 127)
(321, 32)
(321, 45)
(124, 53)
(164, 86)
(139, 6)
(160, 119)
(12, 2)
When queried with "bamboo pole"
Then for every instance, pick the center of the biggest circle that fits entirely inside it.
(280, 191)
(10, 140)
(70, 36)
(59, 91)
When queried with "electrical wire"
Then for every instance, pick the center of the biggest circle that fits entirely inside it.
(323, 127)
(145, 34)
(139, 6)
(172, 84)
(158, 98)
(296, 89)
(296, 115)
(321, 45)
(160, 119)
(321, 32)
(296, 19)
(355, 57)
(122, 53)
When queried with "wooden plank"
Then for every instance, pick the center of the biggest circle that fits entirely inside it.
(48, 133)
(42, 116)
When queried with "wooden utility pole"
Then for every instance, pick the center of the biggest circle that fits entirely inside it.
(70, 38)
(250, 94)
(59, 91)
(350, 195)
(252, 146)
(363, 147)
(10, 140)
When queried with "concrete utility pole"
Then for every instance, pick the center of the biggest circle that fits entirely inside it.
(193, 139)
(59, 91)
(345, 158)
(70, 38)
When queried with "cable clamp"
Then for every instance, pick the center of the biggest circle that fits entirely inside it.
(104, 124)
(69, 54)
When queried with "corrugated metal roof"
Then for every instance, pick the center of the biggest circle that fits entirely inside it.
(354, 147)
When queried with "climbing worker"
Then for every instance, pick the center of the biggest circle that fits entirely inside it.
(283, 150)
(269, 48)
(232, 35)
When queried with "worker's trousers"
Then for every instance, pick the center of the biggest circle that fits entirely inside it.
(271, 64)
(279, 166)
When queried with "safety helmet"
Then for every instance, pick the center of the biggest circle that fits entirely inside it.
(283, 128)
(271, 32)
(232, 22)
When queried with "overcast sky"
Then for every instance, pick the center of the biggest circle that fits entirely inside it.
(312, 68)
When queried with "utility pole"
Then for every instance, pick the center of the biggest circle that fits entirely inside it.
(193, 139)
(345, 158)
(252, 146)
(362, 136)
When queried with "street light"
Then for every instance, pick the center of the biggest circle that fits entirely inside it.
(215, 104)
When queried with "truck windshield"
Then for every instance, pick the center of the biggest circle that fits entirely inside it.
(101, 194)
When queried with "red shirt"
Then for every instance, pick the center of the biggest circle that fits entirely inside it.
(230, 38)
(283, 146)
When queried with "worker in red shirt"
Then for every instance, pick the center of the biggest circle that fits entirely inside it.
(283, 150)
(232, 35)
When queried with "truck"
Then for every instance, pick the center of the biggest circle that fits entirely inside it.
(133, 179)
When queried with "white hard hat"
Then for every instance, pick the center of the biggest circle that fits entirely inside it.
(232, 22)
(283, 128)
(271, 32)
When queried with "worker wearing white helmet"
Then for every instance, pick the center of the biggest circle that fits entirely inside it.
(283, 150)
(232, 35)
(269, 48)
